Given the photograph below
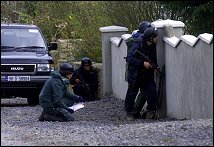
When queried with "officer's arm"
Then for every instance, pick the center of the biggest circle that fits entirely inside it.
(132, 59)
(71, 95)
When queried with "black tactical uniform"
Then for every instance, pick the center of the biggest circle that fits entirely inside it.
(139, 76)
(88, 76)
(141, 99)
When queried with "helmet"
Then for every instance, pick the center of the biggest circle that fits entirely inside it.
(143, 26)
(150, 32)
(66, 68)
(86, 61)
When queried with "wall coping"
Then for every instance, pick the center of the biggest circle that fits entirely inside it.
(173, 41)
(116, 40)
(113, 29)
(126, 36)
(161, 23)
(206, 37)
(189, 39)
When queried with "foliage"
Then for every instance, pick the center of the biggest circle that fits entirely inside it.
(86, 23)
(196, 15)
(80, 20)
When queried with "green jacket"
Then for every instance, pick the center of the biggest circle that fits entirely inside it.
(54, 90)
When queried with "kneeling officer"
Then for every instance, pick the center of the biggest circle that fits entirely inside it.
(56, 97)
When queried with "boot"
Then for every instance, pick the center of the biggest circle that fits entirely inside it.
(41, 117)
(144, 113)
(130, 116)
(151, 115)
(136, 115)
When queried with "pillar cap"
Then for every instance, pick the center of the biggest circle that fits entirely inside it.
(113, 29)
(161, 23)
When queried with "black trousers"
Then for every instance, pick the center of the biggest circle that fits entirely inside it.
(147, 88)
(88, 95)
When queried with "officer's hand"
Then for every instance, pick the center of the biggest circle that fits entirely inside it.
(71, 111)
(147, 65)
(77, 81)
(81, 99)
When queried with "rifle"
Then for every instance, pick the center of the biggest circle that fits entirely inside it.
(154, 66)
(84, 85)
(160, 85)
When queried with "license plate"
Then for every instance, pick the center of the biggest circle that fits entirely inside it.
(18, 78)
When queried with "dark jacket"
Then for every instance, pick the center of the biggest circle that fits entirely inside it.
(137, 35)
(136, 61)
(54, 90)
(89, 77)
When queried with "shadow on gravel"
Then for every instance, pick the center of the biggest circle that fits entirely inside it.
(108, 110)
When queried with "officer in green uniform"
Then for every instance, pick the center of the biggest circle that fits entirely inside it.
(56, 96)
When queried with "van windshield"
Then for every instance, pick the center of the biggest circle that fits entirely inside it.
(16, 38)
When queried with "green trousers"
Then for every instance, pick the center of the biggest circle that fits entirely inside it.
(57, 114)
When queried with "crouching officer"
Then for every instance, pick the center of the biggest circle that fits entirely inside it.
(56, 97)
(85, 80)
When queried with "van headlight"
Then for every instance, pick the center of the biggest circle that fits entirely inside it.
(45, 67)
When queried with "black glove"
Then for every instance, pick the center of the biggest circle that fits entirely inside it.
(71, 111)
(81, 99)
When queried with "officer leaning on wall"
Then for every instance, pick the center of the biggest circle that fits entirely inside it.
(141, 73)
(56, 96)
(141, 99)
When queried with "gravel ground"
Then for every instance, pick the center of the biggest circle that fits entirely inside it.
(99, 123)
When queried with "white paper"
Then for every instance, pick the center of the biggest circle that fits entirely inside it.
(77, 106)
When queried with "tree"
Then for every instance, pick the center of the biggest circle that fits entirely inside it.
(196, 15)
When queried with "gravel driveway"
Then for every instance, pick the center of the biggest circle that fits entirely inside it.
(99, 123)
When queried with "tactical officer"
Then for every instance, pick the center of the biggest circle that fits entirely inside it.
(141, 28)
(85, 80)
(140, 100)
(141, 73)
(56, 97)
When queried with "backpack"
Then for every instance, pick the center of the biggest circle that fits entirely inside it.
(129, 42)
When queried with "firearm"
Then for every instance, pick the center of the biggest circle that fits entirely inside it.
(154, 66)
(84, 85)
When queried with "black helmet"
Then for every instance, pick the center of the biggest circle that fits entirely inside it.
(86, 61)
(143, 26)
(150, 32)
(66, 68)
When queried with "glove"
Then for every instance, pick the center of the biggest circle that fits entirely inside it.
(81, 99)
(71, 111)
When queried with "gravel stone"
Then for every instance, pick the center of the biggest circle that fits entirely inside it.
(99, 123)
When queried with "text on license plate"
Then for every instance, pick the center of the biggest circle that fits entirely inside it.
(18, 78)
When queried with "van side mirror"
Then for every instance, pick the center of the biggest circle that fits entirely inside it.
(52, 46)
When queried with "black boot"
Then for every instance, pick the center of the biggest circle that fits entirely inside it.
(136, 115)
(151, 115)
(41, 117)
(144, 113)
